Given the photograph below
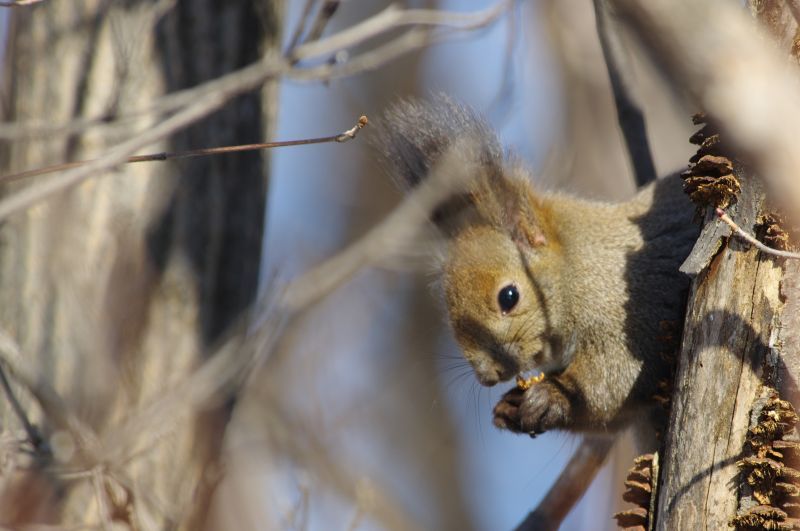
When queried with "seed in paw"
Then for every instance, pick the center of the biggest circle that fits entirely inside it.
(527, 383)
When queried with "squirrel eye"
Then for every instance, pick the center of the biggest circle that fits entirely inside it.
(508, 298)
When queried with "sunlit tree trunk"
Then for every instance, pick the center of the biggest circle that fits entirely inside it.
(740, 348)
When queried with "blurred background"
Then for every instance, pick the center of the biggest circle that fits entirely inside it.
(398, 407)
(364, 416)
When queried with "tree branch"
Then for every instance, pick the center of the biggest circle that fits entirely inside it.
(570, 486)
(629, 114)
(713, 51)
(253, 76)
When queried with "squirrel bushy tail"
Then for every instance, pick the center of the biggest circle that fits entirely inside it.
(414, 134)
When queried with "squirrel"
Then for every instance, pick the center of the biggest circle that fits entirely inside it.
(573, 288)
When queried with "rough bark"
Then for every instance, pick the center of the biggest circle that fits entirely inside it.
(738, 345)
(729, 323)
(116, 289)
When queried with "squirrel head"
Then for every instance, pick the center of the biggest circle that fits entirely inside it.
(502, 289)
(503, 263)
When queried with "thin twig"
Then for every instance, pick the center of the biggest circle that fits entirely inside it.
(752, 240)
(393, 18)
(33, 434)
(225, 370)
(501, 103)
(629, 114)
(237, 357)
(98, 485)
(172, 102)
(164, 155)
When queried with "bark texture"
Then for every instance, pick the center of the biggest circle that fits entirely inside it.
(739, 344)
(731, 316)
(117, 288)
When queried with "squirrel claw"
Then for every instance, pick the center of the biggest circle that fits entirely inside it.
(543, 408)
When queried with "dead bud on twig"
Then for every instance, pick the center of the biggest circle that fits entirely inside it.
(751, 239)
(203, 152)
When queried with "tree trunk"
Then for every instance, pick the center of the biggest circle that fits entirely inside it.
(117, 288)
(730, 321)
(740, 347)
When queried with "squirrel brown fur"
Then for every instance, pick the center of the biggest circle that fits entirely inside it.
(574, 288)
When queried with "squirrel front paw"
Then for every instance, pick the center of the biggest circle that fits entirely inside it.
(536, 410)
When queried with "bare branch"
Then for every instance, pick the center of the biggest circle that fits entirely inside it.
(629, 114)
(235, 359)
(229, 366)
(239, 82)
(253, 76)
(297, 34)
(325, 13)
(171, 102)
(164, 155)
(33, 434)
(393, 18)
(733, 73)
(570, 485)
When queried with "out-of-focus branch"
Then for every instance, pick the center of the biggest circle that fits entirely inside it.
(570, 485)
(629, 114)
(236, 358)
(402, 225)
(311, 453)
(19, 3)
(733, 73)
(253, 76)
(302, 22)
(33, 434)
(393, 18)
(53, 405)
(169, 103)
(324, 14)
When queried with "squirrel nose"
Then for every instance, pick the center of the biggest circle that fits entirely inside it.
(488, 376)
